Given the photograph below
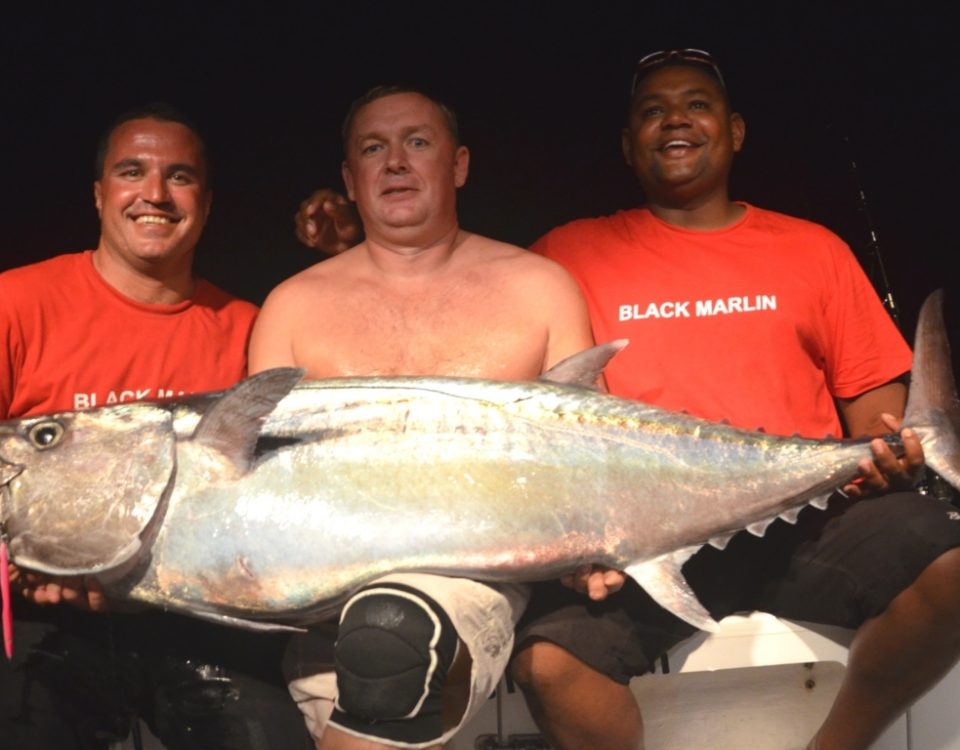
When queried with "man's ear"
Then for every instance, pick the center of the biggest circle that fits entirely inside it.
(98, 198)
(208, 200)
(461, 166)
(625, 145)
(739, 130)
(347, 179)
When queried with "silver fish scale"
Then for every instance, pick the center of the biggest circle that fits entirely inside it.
(483, 480)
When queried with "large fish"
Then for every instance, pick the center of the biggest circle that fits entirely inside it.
(266, 506)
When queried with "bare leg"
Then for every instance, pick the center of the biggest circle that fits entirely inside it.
(575, 706)
(896, 657)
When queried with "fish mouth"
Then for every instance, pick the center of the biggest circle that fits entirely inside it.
(9, 472)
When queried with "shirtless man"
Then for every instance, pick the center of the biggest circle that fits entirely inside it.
(419, 296)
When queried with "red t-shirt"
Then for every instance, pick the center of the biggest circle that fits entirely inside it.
(762, 323)
(72, 341)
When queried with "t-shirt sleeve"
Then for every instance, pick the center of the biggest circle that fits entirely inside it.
(865, 348)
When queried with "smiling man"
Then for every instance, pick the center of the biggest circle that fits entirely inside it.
(416, 655)
(767, 321)
(129, 320)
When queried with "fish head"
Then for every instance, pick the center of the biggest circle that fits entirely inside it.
(77, 489)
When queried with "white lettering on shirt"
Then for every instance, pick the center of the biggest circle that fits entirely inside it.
(702, 308)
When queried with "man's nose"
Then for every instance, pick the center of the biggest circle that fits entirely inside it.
(676, 117)
(155, 189)
(397, 159)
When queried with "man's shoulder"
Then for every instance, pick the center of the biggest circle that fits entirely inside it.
(787, 224)
(583, 235)
(46, 270)
(44, 282)
(211, 295)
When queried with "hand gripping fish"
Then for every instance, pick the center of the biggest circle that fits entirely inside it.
(268, 505)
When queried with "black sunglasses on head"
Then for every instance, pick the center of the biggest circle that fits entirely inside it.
(663, 57)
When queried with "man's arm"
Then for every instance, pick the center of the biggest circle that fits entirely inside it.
(877, 412)
(271, 341)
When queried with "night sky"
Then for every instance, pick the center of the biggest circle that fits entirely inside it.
(540, 89)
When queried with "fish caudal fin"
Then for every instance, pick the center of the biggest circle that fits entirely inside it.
(933, 409)
(662, 580)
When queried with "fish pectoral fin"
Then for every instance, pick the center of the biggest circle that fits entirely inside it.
(584, 368)
(662, 580)
(240, 622)
(51, 557)
(232, 425)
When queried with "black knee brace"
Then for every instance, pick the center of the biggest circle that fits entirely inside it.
(393, 652)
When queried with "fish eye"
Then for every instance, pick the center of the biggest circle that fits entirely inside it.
(45, 435)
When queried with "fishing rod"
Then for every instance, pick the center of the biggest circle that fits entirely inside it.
(932, 484)
(872, 250)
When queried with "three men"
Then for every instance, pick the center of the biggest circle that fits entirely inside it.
(128, 321)
(766, 321)
(416, 655)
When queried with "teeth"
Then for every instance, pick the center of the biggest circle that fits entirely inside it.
(153, 220)
(681, 144)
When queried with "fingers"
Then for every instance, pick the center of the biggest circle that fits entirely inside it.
(304, 221)
(887, 471)
(596, 581)
(72, 590)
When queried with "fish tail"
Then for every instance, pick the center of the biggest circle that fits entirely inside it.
(933, 409)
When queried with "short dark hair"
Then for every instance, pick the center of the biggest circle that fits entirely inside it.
(160, 111)
(379, 92)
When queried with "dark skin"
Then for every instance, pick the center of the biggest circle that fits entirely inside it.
(680, 142)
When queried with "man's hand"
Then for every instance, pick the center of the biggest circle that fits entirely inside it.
(886, 471)
(328, 222)
(74, 590)
(596, 581)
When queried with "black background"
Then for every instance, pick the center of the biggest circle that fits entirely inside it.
(540, 89)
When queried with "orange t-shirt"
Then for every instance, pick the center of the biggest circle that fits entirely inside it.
(762, 323)
(72, 341)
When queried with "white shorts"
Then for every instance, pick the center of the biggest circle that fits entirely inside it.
(484, 616)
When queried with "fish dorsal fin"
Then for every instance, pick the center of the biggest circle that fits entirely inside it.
(584, 368)
(232, 425)
(662, 580)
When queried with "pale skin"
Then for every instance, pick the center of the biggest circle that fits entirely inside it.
(680, 142)
(419, 296)
(153, 202)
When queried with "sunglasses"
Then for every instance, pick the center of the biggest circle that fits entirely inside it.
(677, 56)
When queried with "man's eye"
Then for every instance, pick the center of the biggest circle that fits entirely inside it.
(652, 111)
(371, 148)
(419, 142)
(699, 105)
(181, 178)
(130, 173)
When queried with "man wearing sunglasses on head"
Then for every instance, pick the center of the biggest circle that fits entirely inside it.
(766, 321)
